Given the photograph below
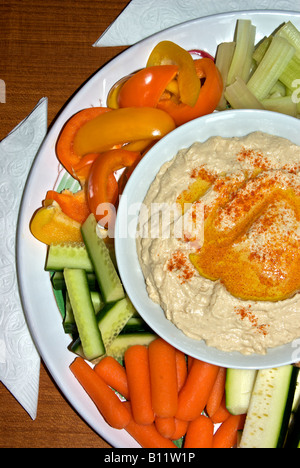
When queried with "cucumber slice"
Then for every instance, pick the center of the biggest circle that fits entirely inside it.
(107, 276)
(97, 301)
(68, 255)
(135, 325)
(270, 408)
(69, 323)
(84, 313)
(58, 281)
(123, 342)
(239, 387)
(112, 319)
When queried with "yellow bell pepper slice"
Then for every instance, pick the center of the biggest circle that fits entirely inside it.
(51, 226)
(169, 53)
(121, 126)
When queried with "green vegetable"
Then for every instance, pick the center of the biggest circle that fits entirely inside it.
(107, 276)
(84, 313)
(270, 408)
(271, 67)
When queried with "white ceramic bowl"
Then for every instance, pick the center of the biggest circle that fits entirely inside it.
(226, 124)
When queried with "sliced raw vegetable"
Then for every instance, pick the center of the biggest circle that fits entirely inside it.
(289, 32)
(99, 199)
(291, 73)
(284, 105)
(58, 281)
(112, 319)
(144, 88)
(239, 387)
(73, 205)
(51, 225)
(69, 323)
(224, 57)
(68, 255)
(124, 341)
(270, 408)
(209, 96)
(84, 313)
(296, 402)
(273, 64)
(107, 276)
(121, 126)
(242, 60)
(65, 151)
(169, 53)
(293, 436)
(261, 49)
(240, 97)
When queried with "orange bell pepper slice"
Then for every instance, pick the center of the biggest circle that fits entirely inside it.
(113, 95)
(99, 199)
(72, 204)
(65, 148)
(209, 96)
(119, 127)
(51, 226)
(145, 87)
(167, 52)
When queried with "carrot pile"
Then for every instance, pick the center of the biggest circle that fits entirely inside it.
(165, 396)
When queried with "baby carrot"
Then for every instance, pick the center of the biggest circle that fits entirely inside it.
(217, 393)
(114, 374)
(165, 426)
(163, 378)
(181, 367)
(136, 360)
(147, 435)
(221, 414)
(190, 362)
(196, 390)
(180, 429)
(107, 402)
(226, 435)
(200, 433)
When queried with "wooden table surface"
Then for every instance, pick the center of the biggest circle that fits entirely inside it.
(46, 50)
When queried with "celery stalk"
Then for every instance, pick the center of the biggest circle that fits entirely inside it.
(278, 90)
(242, 58)
(224, 56)
(291, 73)
(284, 105)
(289, 32)
(240, 97)
(271, 67)
(261, 49)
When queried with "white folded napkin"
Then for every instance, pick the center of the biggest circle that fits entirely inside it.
(19, 359)
(142, 18)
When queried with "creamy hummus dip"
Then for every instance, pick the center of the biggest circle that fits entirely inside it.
(218, 242)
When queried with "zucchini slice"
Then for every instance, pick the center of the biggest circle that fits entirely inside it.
(270, 408)
(239, 386)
